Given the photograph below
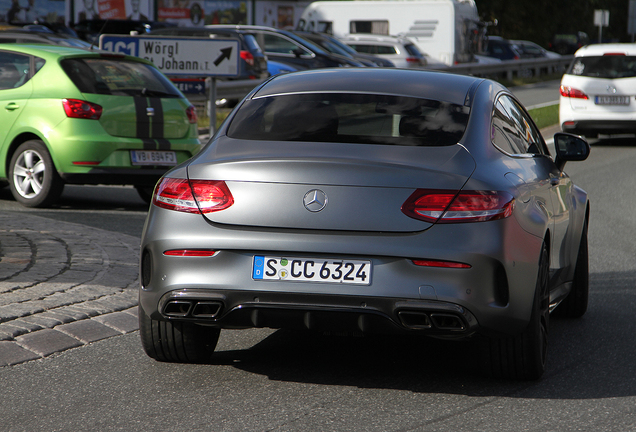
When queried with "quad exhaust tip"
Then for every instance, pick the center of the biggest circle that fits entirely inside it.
(418, 320)
(192, 309)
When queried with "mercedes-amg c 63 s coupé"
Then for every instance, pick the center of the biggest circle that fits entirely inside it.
(371, 200)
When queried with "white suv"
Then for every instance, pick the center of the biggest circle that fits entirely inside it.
(598, 91)
(401, 51)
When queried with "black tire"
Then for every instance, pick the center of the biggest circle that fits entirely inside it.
(575, 304)
(524, 356)
(173, 341)
(145, 193)
(33, 179)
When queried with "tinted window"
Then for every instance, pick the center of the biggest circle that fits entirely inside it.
(513, 131)
(250, 41)
(118, 77)
(277, 44)
(367, 49)
(373, 27)
(351, 118)
(14, 70)
(412, 50)
(610, 66)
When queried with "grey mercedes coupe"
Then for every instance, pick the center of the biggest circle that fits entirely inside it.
(370, 201)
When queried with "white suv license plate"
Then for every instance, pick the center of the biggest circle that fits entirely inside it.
(612, 100)
(312, 270)
(153, 157)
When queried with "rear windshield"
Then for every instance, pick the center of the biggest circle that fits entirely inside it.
(350, 118)
(608, 66)
(251, 42)
(412, 50)
(118, 77)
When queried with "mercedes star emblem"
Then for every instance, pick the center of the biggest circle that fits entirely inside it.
(315, 200)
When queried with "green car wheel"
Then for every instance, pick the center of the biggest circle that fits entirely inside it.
(34, 181)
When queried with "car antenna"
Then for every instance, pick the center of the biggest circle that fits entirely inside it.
(99, 34)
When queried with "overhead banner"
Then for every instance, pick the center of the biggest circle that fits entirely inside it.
(187, 13)
(28, 11)
(138, 10)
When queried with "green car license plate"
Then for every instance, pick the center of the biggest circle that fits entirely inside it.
(153, 157)
(312, 270)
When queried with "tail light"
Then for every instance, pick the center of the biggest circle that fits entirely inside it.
(415, 60)
(191, 112)
(570, 92)
(444, 206)
(248, 57)
(75, 108)
(192, 196)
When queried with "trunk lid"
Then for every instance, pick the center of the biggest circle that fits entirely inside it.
(142, 117)
(327, 186)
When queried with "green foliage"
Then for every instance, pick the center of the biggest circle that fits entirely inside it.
(539, 20)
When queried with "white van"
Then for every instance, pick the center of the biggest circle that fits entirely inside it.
(447, 30)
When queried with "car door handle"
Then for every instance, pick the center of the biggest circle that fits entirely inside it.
(11, 106)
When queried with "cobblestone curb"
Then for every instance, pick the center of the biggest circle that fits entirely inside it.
(62, 285)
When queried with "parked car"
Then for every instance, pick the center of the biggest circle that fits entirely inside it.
(370, 200)
(568, 43)
(274, 68)
(336, 46)
(253, 64)
(597, 91)
(90, 30)
(400, 51)
(25, 36)
(285, 47)
(75, 116)
(500, 48)
(529, 49)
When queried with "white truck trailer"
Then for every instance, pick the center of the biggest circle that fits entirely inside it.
(447, 30)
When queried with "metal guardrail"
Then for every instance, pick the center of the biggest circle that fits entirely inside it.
(508, 69)
(505, 70)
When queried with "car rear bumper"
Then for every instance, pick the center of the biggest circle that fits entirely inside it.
(496, 292)
(147, 176)
(236, 309)
(595, 127)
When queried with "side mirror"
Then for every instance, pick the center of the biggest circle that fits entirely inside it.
(570, 147)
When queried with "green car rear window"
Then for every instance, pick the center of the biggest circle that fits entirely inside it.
(607, 66)
(118, 77)
(350, 118)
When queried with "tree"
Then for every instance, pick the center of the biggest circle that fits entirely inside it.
(539, 20)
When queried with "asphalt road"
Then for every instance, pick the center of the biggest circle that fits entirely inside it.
(538, 94)
(265, 380)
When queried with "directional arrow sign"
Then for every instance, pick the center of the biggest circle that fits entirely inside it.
(180, 56)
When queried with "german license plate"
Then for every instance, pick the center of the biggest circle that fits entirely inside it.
(312, 270)
(612, 100)
(153, 157)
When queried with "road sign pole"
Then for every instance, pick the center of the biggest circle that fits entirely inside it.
(212, 106)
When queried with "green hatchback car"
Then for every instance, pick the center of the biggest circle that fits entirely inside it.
(71, 115)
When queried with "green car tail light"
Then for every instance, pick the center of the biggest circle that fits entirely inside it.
(75, 108)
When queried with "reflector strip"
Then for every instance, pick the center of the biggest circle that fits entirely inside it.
(190, 252)
(445, 264)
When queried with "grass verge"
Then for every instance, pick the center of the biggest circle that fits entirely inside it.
(545, 116)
